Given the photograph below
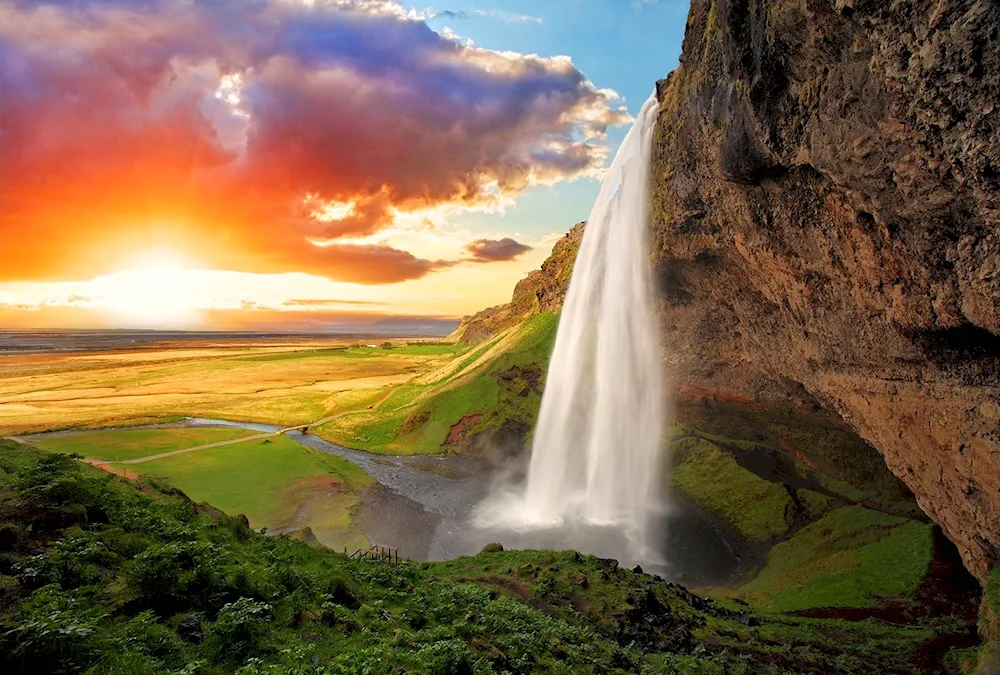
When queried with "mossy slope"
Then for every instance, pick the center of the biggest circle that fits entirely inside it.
(756, 508)
(853, 557)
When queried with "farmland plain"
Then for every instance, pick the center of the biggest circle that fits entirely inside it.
(281, 383)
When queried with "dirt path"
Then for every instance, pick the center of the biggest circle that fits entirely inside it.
(244, 439)
(373, 406)
(219, 444)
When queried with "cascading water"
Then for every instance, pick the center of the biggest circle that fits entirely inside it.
(596, 448)
(595, 457)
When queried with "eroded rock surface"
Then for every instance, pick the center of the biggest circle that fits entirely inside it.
(826, 200)
(543, 290)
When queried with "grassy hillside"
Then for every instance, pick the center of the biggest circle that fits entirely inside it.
(756, 508)
(275, 482)
(99, 577)
(489, 394)
(853, 557)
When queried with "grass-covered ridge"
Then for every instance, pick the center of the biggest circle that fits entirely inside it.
(490, 391)
(97, 576)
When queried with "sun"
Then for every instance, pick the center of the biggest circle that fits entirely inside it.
(153, 289)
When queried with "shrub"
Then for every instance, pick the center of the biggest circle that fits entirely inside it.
(55, 632)
(10, 589)
(240, 630)
(168, 577)
(127, 663)
(146, 636)
(450, 657)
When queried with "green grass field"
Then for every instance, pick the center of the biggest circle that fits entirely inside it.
(853, 557)
(275, 482)
(136, 443)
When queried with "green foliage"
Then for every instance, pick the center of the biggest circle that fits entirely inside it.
(240, 630)
(853, 557)
(758, 509)
(165, 575)
(113, 595)
(56, 630)
(48, 482)
(989, 616)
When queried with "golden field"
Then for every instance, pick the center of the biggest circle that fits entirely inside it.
(284, 383)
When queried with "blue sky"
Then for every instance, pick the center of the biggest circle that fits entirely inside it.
(625, 45)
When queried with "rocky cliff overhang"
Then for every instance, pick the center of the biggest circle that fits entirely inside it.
(826, 202)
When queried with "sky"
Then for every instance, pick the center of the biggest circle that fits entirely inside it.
(303, 164)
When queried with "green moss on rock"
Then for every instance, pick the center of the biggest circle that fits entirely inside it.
(989, 611)
(813, 504)
(758, 509)
(853, 557)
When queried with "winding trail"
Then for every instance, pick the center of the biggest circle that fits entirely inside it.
(243, 439)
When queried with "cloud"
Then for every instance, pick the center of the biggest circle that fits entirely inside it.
(495, 250)
(509, 17)
(219, 127)
(449, 14)
(356, 263)
(326, 302)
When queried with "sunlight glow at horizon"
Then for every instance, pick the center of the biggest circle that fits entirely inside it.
(168, 289)
(153, 289)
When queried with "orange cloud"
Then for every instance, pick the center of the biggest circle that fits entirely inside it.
(214, 128)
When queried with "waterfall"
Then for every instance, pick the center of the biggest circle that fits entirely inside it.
(595, 456)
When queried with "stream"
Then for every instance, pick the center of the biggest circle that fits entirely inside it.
(425, 506)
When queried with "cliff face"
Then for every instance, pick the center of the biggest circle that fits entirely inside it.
(541, 291)
(826, 223)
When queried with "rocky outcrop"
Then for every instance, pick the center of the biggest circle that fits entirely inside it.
(541, 291)
(825, 220)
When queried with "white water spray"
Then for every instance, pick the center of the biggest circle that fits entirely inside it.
(596, 451)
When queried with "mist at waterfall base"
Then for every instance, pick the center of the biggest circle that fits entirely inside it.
(593, 482)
